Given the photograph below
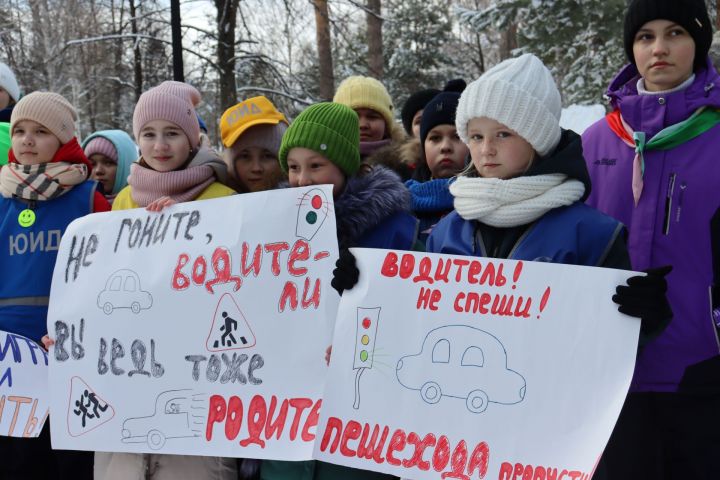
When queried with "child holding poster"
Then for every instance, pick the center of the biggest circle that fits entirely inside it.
(43, 188)
(173, 168)
(521, 197)
(371, 209)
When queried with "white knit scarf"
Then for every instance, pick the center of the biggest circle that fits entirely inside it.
(513, 202)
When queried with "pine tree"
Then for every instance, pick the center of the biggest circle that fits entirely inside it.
(579, 40)
(416, 35)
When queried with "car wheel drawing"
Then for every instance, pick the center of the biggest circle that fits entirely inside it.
(477, 401)
(155, 439)
(430, 392)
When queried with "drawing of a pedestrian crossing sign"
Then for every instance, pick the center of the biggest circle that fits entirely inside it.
(230, 329)
(312, 212)
(366, 333)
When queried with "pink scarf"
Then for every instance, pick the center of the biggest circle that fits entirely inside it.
(181, 185)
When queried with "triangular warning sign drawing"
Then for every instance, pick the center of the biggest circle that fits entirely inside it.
(229, 330)
(86, 409)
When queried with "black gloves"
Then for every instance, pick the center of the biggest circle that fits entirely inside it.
(645, 298)
(346, 274)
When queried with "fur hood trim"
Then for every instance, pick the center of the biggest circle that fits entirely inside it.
(399, 157)
(366, 201)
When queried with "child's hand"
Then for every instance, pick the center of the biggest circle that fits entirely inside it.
(159, 204)
(328, 353)
(47, 342)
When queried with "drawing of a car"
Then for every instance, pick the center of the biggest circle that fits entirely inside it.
(172, 419)
(462, 362)
(122, 290)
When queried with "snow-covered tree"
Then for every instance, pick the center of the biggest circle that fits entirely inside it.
(579, 40)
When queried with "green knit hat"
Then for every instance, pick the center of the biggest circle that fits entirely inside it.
(330, 129)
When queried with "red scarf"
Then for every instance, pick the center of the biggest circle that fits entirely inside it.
(71, 152)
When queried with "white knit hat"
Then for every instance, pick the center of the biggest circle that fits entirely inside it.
(9, 82)
(519, 93)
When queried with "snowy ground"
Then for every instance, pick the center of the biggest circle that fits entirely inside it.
(579, 117)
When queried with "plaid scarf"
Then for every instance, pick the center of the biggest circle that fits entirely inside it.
(43, 181)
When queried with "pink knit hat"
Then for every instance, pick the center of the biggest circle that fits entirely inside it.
(171, 101)
(102, 146)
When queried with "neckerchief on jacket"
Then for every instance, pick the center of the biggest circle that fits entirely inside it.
(430, 196)
(68, 167)
(670, 137)
(515, 201)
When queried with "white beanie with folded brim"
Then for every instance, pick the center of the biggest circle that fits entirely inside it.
(9, 82)
(521, 94)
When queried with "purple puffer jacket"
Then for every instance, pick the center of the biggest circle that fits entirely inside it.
(671, 223)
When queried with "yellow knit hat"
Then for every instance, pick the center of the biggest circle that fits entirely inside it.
(366, 92)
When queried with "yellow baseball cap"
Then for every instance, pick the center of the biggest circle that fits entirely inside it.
(246, 114)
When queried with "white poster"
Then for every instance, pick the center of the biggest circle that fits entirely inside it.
(24, 398)
(463, 367)
(199, 330)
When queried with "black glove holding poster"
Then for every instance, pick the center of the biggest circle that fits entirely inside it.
(346, 273)
(645, 297)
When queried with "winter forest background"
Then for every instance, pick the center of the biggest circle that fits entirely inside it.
(101, 54)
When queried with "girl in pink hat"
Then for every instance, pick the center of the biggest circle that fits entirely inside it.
(173, 167)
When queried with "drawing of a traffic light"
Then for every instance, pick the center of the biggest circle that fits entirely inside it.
(365, 337)
(312, 211)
